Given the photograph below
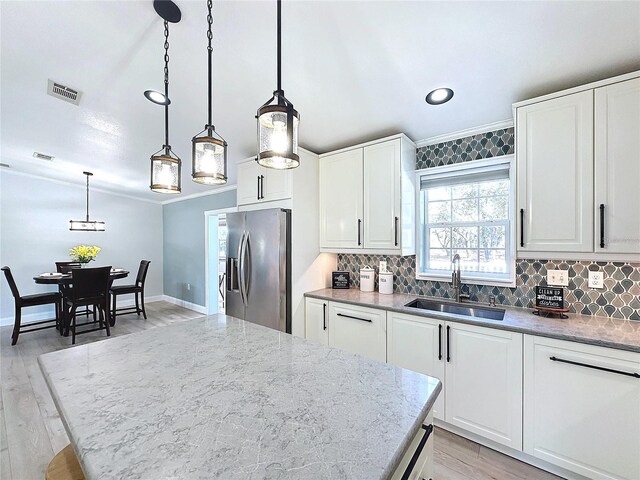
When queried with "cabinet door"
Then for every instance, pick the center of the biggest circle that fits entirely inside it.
(341, 200)
(382, 195)
(580, 418)
(248, 178)
(554, 150)
(483, 382)
(417, 343)
(316, 320)
(617, 162)
(358, 330)
(276, 184)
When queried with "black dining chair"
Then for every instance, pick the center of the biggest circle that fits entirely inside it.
(90, 289)
(66, 267)
(31, 301)
(137, 289)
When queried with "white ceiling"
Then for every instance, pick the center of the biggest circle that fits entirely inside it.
(354, 70)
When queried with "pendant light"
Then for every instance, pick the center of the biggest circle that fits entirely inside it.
(86, 225)
(278, 124)
(209, 151)
(166, 166)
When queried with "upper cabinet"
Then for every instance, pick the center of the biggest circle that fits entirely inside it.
(617, 167)
(367, 198)
(578, 171)
(257, 184)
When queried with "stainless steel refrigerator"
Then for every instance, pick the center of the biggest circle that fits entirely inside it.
(258, 269)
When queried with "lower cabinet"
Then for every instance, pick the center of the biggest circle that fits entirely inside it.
(480, 368)
(582, 408)
(483, 382)
(358, 330)
(416, 343)
(316, 320)
(417, 461)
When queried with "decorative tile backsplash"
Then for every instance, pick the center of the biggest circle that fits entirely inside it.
(475, 147)
(620, 298)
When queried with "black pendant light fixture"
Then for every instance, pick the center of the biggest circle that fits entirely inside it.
(166, 166)
(278, 124)
(209, 151)
(86, 225)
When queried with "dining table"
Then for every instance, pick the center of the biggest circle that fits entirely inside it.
(65, 280)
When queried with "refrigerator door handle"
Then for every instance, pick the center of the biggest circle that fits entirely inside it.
(247, 260)
(241, 269)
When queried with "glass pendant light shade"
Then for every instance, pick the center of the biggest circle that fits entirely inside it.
(209, 159)
(278, 136)
(165, 172)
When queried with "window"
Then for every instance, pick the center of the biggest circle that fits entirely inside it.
(467, 209)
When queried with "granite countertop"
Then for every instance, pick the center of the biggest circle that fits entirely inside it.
(217, 397)
(602, 331)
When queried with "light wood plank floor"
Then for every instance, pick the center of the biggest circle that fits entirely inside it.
(31, 431)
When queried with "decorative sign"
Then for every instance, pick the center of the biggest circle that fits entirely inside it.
(340, 280)
(550, 297)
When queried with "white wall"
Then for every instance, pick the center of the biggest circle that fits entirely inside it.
(34, 234)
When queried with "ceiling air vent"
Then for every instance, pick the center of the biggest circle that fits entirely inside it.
(42, 156)
(63, 92)
(5, 165)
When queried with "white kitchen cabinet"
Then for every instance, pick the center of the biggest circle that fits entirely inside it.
(341, 211)
(367, 198)
(358, 330)
(554, 153)
(382, 195)
(257, 184)
(316, 320)
(579, 416)
(421, 447)
(417, 343)
(617, 167)
(483, 382)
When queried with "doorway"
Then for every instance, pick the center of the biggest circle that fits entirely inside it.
(216, 248)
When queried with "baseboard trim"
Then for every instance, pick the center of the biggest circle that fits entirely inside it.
(518, 455)
(28, 318)
(184, 304)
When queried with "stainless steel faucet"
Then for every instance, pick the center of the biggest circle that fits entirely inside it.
(455, 276)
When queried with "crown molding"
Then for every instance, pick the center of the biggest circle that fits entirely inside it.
(465, 133)
(226, 188)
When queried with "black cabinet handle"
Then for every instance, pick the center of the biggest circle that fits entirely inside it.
(258, 187)
(261, 187)
(396, 230)
(602, 225)
(448, 347)
(595, 367)
(522, 227)
(359, 224)
(355, 318)
(428, 429)
(324, 316)
(439, 341)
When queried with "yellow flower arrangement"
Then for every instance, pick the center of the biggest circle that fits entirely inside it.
(84, 253)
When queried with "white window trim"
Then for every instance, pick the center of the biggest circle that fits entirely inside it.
(469, 277)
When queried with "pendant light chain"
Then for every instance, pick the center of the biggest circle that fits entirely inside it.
(166, 87)
(210, 52)
(279, 46)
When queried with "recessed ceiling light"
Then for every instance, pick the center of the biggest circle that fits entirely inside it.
(439, 96)
(157, 97)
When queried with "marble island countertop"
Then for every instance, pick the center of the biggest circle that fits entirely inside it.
(217, 397)
(594, 330)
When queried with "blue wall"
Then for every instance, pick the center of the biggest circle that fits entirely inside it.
(184, 244)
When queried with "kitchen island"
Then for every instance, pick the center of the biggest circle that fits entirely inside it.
(217, 397)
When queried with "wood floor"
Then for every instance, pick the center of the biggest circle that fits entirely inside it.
(31, 431)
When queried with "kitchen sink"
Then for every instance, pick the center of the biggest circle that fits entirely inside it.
(457, 309)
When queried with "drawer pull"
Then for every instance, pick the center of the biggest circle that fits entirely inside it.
(355, 318)
(414, 459)
(595, 367)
